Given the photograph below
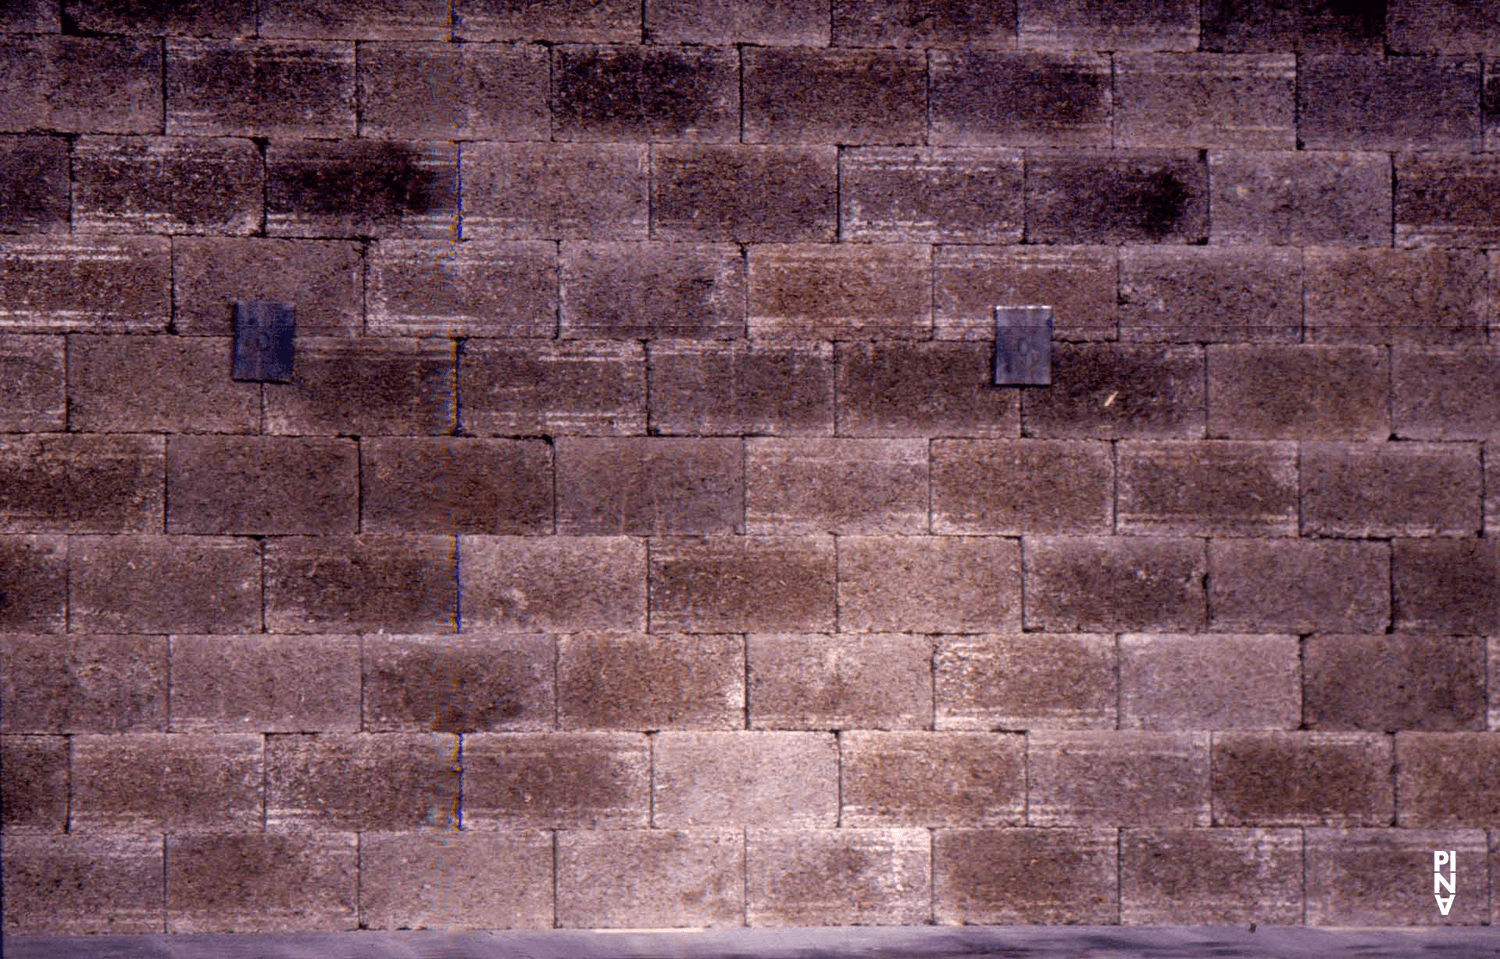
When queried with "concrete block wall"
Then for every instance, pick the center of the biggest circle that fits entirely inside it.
(640, 542)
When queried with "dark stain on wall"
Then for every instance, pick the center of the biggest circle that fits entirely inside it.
(1159, 202)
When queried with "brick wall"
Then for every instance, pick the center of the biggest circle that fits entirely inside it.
(640, 542)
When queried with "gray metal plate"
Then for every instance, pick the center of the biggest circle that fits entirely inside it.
(263, 335)
(1023, 345)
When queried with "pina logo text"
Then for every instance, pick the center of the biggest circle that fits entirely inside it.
(1442, 883)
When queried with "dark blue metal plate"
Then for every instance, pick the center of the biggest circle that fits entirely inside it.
(263, 333)
(1023, 345)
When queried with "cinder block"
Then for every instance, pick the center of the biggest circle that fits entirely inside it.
(819, 95)
(521, 388)
(262, 882)
(933, 23)
(64, 284)
(568, 21)
(744, 779)
(1491, 458)
(1309, 26)
(870, 681)
(929, 584)
(456, 880)
(1025, 875)
(35, 791)
(1207, 488)
(171, 384)
(83, 884)
(1012, 487)
(1404, 103)
(1229, 101)
(652, 290)
(843, 291)
(31, 16)
(1025, 681)
(646, 93)
(34, 184)
(167, 782)
(164, 584)
(371, 582)
(914, 194)
(1396, 296)
(1116, 197)
(81, 84)
(639, 681)
(1115, 584)
(480, 288)
(1448, 779)
(1116, 778)
(355, 781)
(81, 484)
(553, 584)
(455, 485)
(1446, 585)
(457, 684)
(474, 91)
(1299, 585)
(749, 193)
(1445, 394)
(384, 20)
(1390, 489)
(228, 18)
(1210, 294)
(1079, 283)
(804, 486)
(643, 486)
(1210, 682)
(1363, 877)
(1298, 392)
(262, 88)
(258, 683)
(323, 278)
(262, 485)
(1107, 25)
(1210, 876)
(32, 383)
(556, 191)
(1490, 104)
(1303, 779)
(1296, 199)
(557, 780)
(1386, 683)
(761, 22)
(86, 684)
(363, 188)
(1003, 98)
(932, 779)
(166, 185)
(821, 877)
(1446, 200)
(770, 388)
(366, 386)
(656, 879)
(34, 582)
(742, 584)
(1443, 26)
(922, 390)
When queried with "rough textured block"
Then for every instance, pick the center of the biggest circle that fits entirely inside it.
(1301, 198)
(1446, 200)
(33, 583)
(80, 84)
(777, 389)
(90, 684)
(602, 21)
(651, 290)
(228, 18)
(367, 583)
(1448, 779)
(1299, 586)
(1025, 681)
(1303, 779)
(530, 389)
(455, 485)
(1490, 104)
(1000, 98)
(65, 284)
(1080, 283)
(924, 24)
(636, 681)
(1210, 682)
(931, 196)
(1114, 584)
(762, 194)
(655, 879)
(83, 884)
(1387, 683)
(262, 882)
(818, 291)
(164, 584)
(262, 485)
(34, 184)
(1022, 486)
(928, 584)
(645, 486)
(1210, 876)
(922, 389)
(1446, 585)
(1311, 26)
(171, 782)
(1492, 488)
(587, 780)
(366, 386)
(1210, 294)
(81, 484)
(359, 188)
(932, 779)
(1025, 875)
(1207, 488)
(158, 384)
(1106, 25)
(765, 22)
(1362, 877)
(556, 191)
(1445, 394)
(1295, 392)
(356, 781)
(459, 684)
(324, 278)
(34, 794)
(480, 288)
(744, 779)
(1390, 489)
(1116, 778)
(1117, 197)
(475, 91)
(276, 684)
(166, 185)
(260, 88)
(32, 383)
(803, 486)
(742, 584)
(873, 681)
(1444, 26)
(645, 93)
(1405, 103)
(456, 880)
(820, 877)
(553, 584)
(800, 94)
(1396, 296)
(382, 20)
(1198, 100)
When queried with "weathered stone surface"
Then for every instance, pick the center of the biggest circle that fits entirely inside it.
(1295, 199)
(870, 681)
(1210, 682)
(929, 584)
(1439, 394)
(1298, 392)
(167, 185)
(268, 88)
(557, 780)
(164, 584)
(369, 386)
(554, 583)
(324, 278)
(809, 486)
(1080, 283)
(73, 283)
(749, 193)
(646, 93)
(744, 779)
(1401, 103)
(1394, 682)
(478, 91)
(1026, 875)
(844, 291)
(931, 196)
(370, 582)
(932, 779)
(1215, 876)
(742, 584)
(226, 18)
(1390, 489)
(649, 682)
(168, 384)
(644, 485)
(556, 191)
(167, 782)
(1446, 585)
(1012, 487)
(1443, 26)
(1117, 197)
(33, 384)
(1360, 877)
(769, 388)
(480, 288)
(609, 21)
(278, 485)
(1210, 294)
(818, 877)
(475, 682)
(456, 880)
(1303, 779)
(259, 683)
(655, 290)
(78, 84)
(1448, 779)
(455, 485)
(1114, 584)
(525, 388)
(382, 19)
(83, 684)
(1111, 392)
(1310, 26)
(34, 794)
(83, 884)
(81, 484)
(1446, 200)
(1022, 681)
(1199, 100)
(33, 583)
(924, 24)
(1206, 488)
(335, 781)
(34, 184)
(1299, 585)
(1107, 25)
(1396, 296)
(888, 389)
(363, 188)
(656, 879)
(762, 22)
(802, 94)
(262, 882)
(1116, 778)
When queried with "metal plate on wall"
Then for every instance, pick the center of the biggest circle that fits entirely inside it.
(1023, 345)
(263, 334)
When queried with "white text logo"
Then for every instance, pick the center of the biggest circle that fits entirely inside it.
(1441, 883)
